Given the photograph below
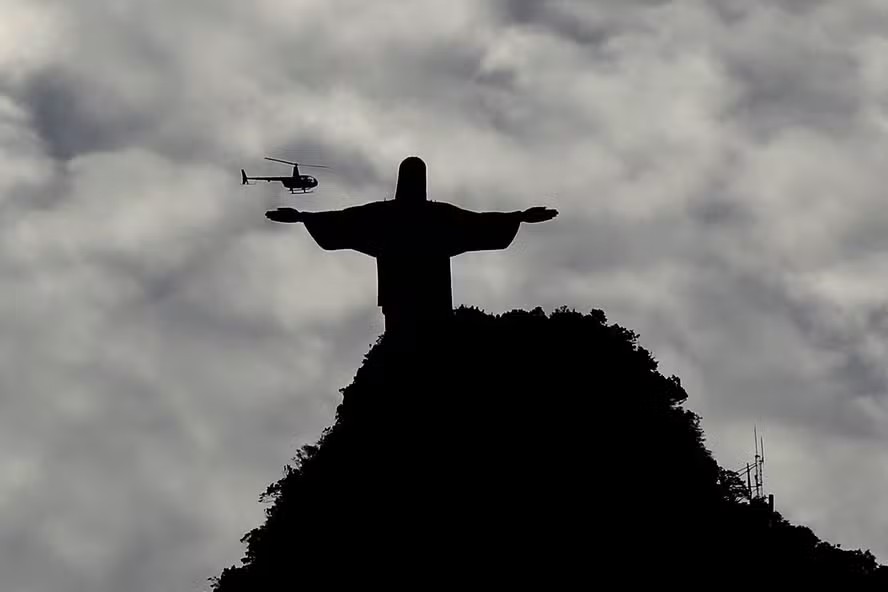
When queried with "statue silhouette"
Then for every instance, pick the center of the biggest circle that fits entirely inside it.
(412, 240)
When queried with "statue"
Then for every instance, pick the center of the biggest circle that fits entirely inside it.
(412, 240)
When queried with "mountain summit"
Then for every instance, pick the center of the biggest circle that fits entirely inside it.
(524, 448)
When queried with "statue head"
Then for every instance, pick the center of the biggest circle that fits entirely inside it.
(411, 180)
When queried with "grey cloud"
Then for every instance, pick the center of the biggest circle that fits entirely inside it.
(72, 121)
(164, 344)
(784, 83)
(732, 11)
(608, 18)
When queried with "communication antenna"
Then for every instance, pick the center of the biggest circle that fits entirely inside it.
(762, 465)
(755, 473)
(759, 462)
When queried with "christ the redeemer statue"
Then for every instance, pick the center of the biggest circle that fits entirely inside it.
(412, 240)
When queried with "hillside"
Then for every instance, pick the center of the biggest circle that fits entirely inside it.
(523, 448)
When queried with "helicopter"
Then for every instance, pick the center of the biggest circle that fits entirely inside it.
(294, 182)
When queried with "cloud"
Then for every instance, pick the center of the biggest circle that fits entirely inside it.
(717, 165)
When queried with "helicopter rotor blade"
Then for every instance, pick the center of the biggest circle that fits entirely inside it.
(279, 160)
(314, 166)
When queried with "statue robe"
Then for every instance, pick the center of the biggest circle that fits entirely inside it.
(412, 244)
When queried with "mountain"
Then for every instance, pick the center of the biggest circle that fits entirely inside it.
(529, 449)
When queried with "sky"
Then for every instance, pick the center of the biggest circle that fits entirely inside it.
(165, 349)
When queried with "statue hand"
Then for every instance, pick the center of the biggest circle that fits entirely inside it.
(538, 214)
(284, 215)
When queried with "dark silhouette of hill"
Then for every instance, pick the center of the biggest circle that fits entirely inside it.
(526, 448)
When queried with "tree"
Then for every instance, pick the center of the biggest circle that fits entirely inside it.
(516, 448)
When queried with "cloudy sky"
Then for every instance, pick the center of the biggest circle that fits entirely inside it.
(165, 350)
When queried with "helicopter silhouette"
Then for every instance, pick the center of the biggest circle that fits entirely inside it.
(295, 182)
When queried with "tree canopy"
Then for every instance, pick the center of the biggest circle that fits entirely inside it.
(523, 448)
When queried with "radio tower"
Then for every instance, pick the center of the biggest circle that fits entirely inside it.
(759, 464)
(755, 473)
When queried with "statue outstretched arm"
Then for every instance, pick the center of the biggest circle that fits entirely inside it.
(530, 215)
(537, 214)
(486, 231)
(289, 215)
(357, 228)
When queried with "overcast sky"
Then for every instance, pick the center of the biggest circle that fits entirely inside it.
(719, 167)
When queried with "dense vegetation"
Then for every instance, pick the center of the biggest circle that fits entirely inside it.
(527, 449)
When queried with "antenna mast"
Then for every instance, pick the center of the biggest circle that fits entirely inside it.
(759, 461)
(755, 472)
